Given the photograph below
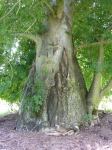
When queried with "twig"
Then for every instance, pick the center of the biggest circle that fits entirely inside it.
(107, 88)
(50, 8)
(9, 11)
(30, 26)
(18, 7)
(95, 44)
(27, 35)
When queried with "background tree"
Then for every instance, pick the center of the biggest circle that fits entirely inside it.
(92, 31)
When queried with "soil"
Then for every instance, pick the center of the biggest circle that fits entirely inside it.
(97, 137)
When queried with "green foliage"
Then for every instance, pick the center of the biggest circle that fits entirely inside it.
(92, 21)
(34, 99)
(15, 61)
(21, 16)
(14, 71)
(87, 118)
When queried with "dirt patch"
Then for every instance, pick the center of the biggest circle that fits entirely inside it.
(98, 137)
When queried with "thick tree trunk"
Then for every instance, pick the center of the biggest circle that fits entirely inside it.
(63, 90)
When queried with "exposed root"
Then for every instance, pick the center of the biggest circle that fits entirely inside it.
(59, 133)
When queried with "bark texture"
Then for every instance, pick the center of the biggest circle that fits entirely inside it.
(94, 97)
(56, 66)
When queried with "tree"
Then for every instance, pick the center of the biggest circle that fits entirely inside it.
(96, 23)
(55, 92)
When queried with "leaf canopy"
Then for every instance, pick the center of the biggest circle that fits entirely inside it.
(91, 23)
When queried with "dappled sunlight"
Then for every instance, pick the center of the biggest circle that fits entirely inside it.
(7, 108)
(106, 104)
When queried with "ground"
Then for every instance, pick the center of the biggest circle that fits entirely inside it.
(98, 137)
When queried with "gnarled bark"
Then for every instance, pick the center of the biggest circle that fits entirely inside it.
(56, 66)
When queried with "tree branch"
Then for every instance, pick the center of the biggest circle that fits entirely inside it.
(30, 26)
(49, 7)
(36, 38)
(94, 91)
(80, 77)
(18, 7)
(29, 36)
(68, 10)
(95, 44)
(107, 88)
(97, 74)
